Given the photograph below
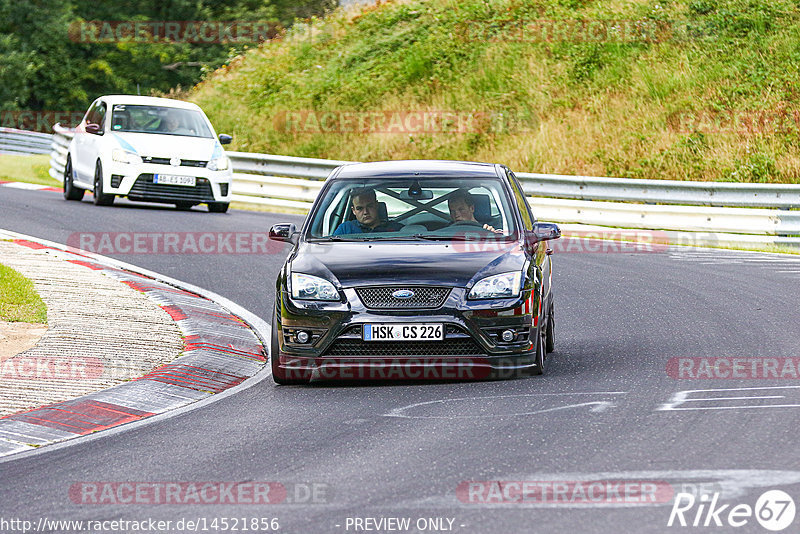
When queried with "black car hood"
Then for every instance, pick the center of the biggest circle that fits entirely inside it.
(452, 264)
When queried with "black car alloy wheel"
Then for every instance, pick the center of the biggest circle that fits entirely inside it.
(100, 199)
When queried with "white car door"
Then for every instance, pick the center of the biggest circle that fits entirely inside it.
(88, 142)
(76, 149)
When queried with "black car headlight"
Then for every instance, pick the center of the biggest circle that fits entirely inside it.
(506, 285)
(307, 287)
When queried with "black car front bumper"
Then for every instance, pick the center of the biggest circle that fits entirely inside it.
(473, 347)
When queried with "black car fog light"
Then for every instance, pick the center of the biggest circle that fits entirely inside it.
(223, 189)
(302, 337)
(508, 336)
(115, 180)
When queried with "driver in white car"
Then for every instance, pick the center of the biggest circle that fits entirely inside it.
(462, 209)
(172, 124)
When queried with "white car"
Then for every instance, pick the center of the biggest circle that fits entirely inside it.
(148, 149)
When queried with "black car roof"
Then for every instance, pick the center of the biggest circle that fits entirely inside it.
(410, 168)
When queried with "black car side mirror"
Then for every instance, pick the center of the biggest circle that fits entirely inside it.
(286, 232)
(544, 232)
(225, 139)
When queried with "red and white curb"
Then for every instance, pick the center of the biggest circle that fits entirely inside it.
(225, 349)
(33, 187)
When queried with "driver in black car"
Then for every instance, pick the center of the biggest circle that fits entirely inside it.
(462, 210)
(365, 209)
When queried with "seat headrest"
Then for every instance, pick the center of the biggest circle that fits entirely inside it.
(483, 208)
(383, 213)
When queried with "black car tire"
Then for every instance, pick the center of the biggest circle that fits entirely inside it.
(70, 191)
(550, 345)
(100, 198)
(541, 356)
(218, 207)
(278, 374)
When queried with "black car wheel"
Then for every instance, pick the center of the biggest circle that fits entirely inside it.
(217, 207)
(550, 345)
(278, 374)
(541, 356)
(100, 198)
(70, 191)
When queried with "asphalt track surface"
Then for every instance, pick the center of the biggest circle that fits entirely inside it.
(401, 450)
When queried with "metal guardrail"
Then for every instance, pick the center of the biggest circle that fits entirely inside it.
(58, 153)
(13, 141)
(783, 196)
(263, 164)
(753, 214)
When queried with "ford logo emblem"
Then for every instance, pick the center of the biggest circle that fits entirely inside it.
(403, 294)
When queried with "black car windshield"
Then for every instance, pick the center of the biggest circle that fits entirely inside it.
(159, 120)
(414, 208)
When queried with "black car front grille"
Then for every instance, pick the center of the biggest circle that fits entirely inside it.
(383, 349)
(144, 189)
(184, 162)
(384, 297)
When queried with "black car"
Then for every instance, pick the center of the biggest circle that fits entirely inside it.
(414, 270)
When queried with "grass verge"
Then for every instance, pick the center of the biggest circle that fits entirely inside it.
(29, 169)
(19, 301)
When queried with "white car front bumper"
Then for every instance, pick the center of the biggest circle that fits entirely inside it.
(135, 181)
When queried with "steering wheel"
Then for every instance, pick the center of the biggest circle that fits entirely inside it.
(466, 223)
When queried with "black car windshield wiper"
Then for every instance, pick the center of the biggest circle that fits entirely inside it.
(457, 237)
(420, 237)
(334, 238)
(395, 237)
(411, 237)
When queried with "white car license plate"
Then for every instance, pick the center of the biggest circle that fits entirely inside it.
(174, 179)
(403, 332)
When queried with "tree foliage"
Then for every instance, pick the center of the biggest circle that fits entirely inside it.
(46, 65)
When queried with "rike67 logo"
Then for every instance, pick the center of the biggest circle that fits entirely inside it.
(774, 510)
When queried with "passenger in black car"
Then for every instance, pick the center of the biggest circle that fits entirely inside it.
(462, 210)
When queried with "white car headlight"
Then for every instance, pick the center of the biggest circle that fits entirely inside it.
(307, 287)
(123, 156)
(219, 164)
(504, 285)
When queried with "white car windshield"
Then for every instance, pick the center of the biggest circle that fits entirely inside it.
(159, 120)
(419, 208)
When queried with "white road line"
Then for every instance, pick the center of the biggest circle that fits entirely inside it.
(598, 406)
